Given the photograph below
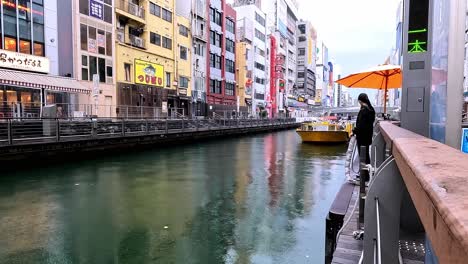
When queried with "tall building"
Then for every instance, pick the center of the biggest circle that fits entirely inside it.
(146, 52)
(281, 18)
(199, 55)
(322, 75)
(221, 67)
(306, 59)
(252, 30)
(244, 81)
(30, 60)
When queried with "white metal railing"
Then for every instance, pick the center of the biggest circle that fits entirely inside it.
(377, 249)
(130, 8)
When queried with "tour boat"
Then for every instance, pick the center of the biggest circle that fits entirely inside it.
(325, 132)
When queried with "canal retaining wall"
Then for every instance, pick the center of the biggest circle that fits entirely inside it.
(57, 143)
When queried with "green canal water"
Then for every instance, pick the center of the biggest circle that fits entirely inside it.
(258, 199)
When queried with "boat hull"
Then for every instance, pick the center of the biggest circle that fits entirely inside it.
(323, 136)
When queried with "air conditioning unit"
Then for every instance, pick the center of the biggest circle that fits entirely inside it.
(120, 37)
(138, 42)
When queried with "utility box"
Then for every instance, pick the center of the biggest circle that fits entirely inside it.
(417, 50)
(49, 114)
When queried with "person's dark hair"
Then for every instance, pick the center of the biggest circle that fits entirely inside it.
(363, 98)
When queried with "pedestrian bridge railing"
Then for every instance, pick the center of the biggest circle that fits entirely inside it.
(419, 186)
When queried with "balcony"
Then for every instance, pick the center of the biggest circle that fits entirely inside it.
(136, 42)
(200, 35)
(132, 9)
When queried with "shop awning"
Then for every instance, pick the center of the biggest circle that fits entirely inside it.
(48, 82)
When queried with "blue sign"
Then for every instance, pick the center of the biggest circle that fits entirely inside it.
(464, 140)
(282, 28)
(96, 9)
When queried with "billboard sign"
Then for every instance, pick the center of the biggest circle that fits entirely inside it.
(149, 73)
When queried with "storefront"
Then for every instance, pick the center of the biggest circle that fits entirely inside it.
(24, 91)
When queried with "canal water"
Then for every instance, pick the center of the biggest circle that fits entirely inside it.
(257, 199)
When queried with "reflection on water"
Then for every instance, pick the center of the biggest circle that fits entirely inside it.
(259, 199)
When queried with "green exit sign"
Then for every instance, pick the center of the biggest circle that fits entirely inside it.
(418, 22)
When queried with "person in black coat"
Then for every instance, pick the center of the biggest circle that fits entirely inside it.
(365, 124)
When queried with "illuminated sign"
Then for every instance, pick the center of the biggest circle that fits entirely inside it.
(149, 73)
(96, 9)
(417, 26)
(25, 62)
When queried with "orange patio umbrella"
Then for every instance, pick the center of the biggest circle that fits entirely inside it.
(382, 77)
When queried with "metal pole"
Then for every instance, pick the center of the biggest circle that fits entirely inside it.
(147, 126)
(377, 212)
(363, 175)
(57, 129)
(123, 127)
(10, 134)
(182, 124)
(167, 126)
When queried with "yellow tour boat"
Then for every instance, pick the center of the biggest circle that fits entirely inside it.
(325, 132)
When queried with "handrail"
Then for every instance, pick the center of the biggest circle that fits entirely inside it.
(379, 250)
(436, 178)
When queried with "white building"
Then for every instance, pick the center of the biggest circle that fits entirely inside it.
(259, 60)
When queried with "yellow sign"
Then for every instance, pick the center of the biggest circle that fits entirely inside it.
(309, 55)
(149, 73)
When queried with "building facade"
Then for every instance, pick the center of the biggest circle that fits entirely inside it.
(221, 57)
(244, 80)
(29, 58)
(146, 52)
(306, 59)
(251, 22)
(322, 75)
(199, 31)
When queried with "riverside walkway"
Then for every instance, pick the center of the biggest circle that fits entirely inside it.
(418, 189)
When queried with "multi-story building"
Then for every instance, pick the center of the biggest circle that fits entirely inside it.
(199, 33)
(306, 59)
(221, 58)
(146, 52)
(322, 75)
(29, 58)
(281, 18)
(252, 29)
(244, 81)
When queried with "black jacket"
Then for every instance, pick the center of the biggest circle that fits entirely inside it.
(364, 126)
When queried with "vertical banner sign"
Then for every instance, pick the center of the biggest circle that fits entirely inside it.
(464, 140)
(101, 40)
(164, 107)
(418, 25)
(96, 9)
(92, 45)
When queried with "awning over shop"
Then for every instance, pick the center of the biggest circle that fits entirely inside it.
(48, 82)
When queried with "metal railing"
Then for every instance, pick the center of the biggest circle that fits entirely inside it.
(378, 251)
(30, 131)
(130, 8)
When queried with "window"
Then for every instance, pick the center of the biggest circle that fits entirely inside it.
(259, 35)
(302, 39)
(109, 71)
(155, 10)
(183, 30)
(212, 14)
(212, 60)
(259, 19)
(230, 46)
(219, 41)
(93, 66)
(300, 75)
(199, 49)
(230, 26)
(259, 96)
(301, 51)
(155, 39)
(183, 53)
(259, 66)
(230, 66)
(101, 41)
(218, 18)
(212, 86)
(127, 68)
(183, 82)
(167, 43)
(218, 87)
(10, 44)
(84, 68)
(84, 7)
(168, 79)
(212, 37)
(229, 89)
(259, 80)
(102, 69)
(218, 62)
(302, 28)
(167, 15)
(108, 44)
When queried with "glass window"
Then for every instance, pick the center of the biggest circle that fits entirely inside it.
(155, 38)
(212, 60)
(218, 61)
(183, 53)
(38, 33)
(167, 43)
(24, 29)
(9, 7)
(25, 46)
(212, 37)
(10, 44)
(230, 66)
(84, 74)
(183, 30)
(212, 86)
(38, 14)
(259, 35)
(230, 25)
(101, 46)
(92, 66)
(39, 49)
(84, 60)
(108, 44)
(102, 69)
(84, 7)
(109, 72)
(108, 14)
(183, 82)
(84, 37)
(218, 40)
(127, 69)
(168, 79)
(155, 10)
(259, 19)
(167, 15)
(212, 14)
(9, 23)
(218, 18)
(91, 32)
(302, 51)
(229, 88)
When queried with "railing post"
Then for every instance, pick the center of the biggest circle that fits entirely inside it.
(196, 124)
(183, 124)
(363, 176)
(147, 126)
(10, 133)
(167, 126)
(57, 129)
(123, 126)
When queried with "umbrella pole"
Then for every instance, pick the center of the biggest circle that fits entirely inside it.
(385, 96)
